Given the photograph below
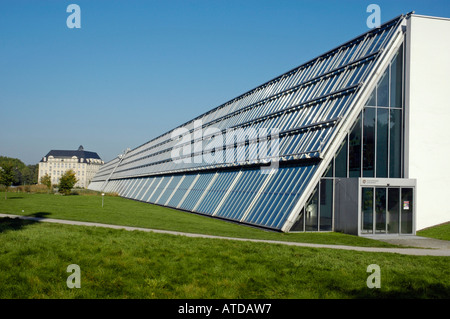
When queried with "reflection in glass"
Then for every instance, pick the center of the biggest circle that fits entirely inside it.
(329, 171)
(383, 90)
(372, 101)
(407, 211)
(396, 79)
(393, 210)
(298, 225)
(382, 142)
(395, 143)
(369, 142)
(340, 162)
(367, 210)
(326, 204)
(380, 210)
(311, 212)
(355, 150)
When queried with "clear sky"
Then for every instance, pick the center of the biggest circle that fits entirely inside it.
(136, 69)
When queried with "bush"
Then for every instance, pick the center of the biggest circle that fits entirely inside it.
(34, 189)
(67, 182)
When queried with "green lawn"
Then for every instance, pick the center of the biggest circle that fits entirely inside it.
(438, 232)
(123, 264)
(120, 211)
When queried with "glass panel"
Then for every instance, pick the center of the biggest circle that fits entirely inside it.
(143, 188)
(311, 212)
(340, 161)
(382, 142)
(326, 204)
(242, 194)
(396, 79)
(355, 150)
(407, 211)
(395, 144)
(329, 171)
(383, 90)
(369, 142)
(367, 210)
(215, 193)
(393, 210)
(181, 190)
(372, 101)
(380, 210)
(298, 225)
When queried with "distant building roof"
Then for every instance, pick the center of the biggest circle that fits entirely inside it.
(80, 153)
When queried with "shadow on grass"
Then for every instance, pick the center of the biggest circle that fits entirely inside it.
(39, 215)
(11, 224)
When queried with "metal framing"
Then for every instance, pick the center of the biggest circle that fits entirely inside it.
(387, 183)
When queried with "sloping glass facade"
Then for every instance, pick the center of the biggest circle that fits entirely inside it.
(250, 159)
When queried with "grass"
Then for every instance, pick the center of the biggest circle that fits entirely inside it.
(123, 264)
(120, 211)
(439, 232)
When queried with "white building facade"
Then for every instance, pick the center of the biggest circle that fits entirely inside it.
(85, 164)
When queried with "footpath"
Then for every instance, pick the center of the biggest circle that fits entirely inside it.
(422, 246)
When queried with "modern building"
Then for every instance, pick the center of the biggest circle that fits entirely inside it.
(85, 165)
(354, 140)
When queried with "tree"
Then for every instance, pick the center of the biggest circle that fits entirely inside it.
(29, 174)
(47, 181)
(7, 176)
(67, 182)
(23, 174)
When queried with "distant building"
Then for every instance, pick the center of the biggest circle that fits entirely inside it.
(85, 164)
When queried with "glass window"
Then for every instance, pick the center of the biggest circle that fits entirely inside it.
(354, 148)
(340, 161)
(367, 210)
(329, 171)
(407, 210)
(382, 142)
(326, 204)
(380, 210)
(372, 101)
(298, 225)
(369, 142)
(383, 90)
(393, 210)
(311, 212)
(397, 79)
(395, 156)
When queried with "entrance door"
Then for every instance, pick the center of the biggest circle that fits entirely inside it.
(387, 210)
(406, 217)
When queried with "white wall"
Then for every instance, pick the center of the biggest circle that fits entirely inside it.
(429, 102)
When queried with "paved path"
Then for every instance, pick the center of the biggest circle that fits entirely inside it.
(406, 251)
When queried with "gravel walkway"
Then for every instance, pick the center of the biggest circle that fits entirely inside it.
(431, 247)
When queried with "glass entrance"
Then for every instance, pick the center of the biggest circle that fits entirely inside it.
(387, 210)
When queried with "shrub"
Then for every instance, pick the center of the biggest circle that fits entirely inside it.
(34, 189)
(67, 182)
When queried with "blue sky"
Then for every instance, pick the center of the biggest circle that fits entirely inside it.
(136, 69)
